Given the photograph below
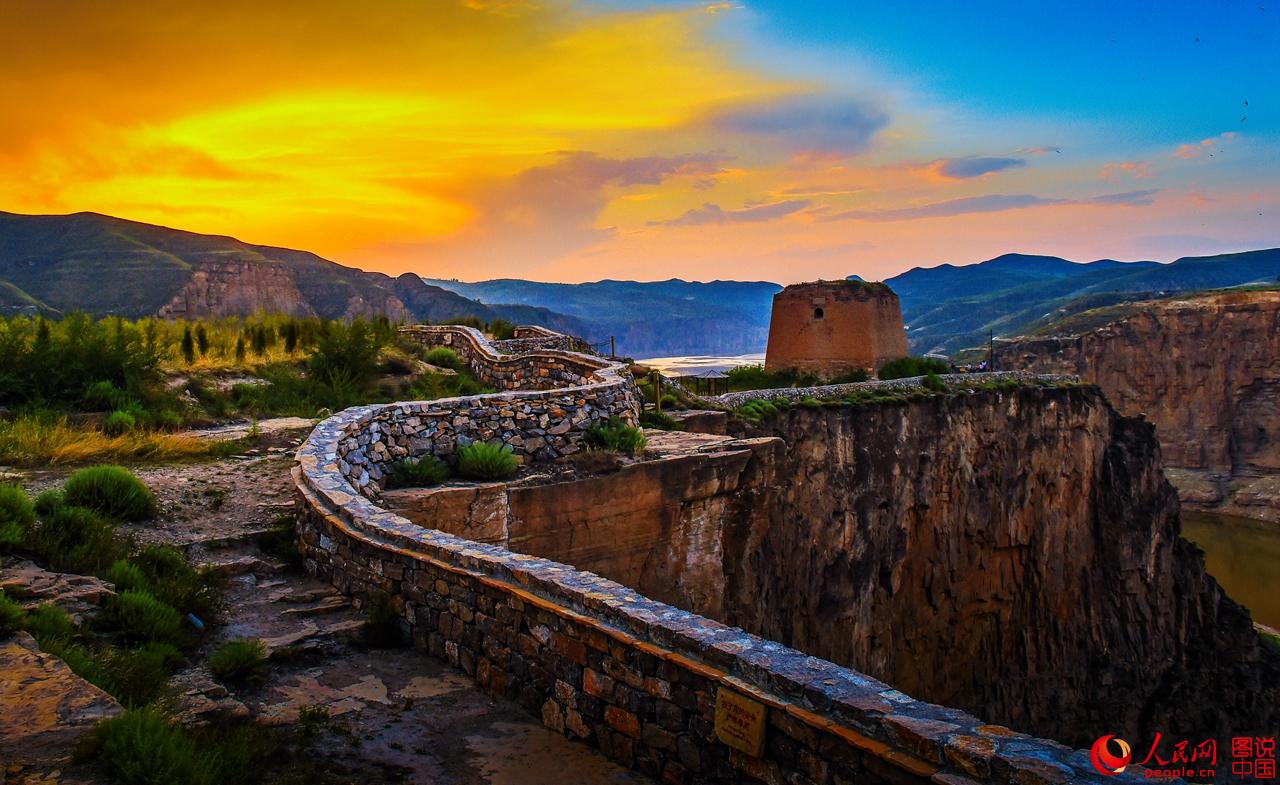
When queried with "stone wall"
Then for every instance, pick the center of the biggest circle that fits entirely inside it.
(889, 385)
(640, 679)
(563, 395)
(833, 327)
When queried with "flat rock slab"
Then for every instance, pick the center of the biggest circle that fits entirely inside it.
(44, 708)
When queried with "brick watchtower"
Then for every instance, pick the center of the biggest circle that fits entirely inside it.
(832, 327)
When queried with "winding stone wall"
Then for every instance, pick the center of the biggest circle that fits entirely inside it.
(600, 662)
(552, 398)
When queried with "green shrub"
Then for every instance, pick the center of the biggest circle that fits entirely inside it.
(110, 490)
(142, 618)
(934, 383)
(906, 367)
(135, 677)
(142, 747)
(758, 409)
(243, 660)
(175, 582)
(501, 329)
(615, 436)
(421, 472)
(381, 628)
(77, 539)
(849, 377)
(659, 420)
(126, 577)
(670, 402)
(17, 514)
(50, 626)
(105, 396)
(118, 422)
(486, 461)
(754, 377)
(12, 616)
(49, 501)
(442, 357)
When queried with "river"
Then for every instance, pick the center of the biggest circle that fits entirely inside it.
(1244, 556)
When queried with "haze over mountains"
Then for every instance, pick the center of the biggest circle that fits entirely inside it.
(101, 265)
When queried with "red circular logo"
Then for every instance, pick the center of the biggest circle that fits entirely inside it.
(1107, 763)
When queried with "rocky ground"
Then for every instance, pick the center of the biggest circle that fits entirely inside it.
(395, 715)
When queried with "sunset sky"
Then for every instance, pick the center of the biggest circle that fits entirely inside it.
(576, 141)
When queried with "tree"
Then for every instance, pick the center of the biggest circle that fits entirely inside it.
(188, 345)
(240, 349)
(202, 340)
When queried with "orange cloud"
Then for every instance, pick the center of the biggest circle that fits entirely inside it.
(1138, 170)
(1190, 151)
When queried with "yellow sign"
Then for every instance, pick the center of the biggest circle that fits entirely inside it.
(740, 722)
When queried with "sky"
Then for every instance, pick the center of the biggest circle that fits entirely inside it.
(723, 139)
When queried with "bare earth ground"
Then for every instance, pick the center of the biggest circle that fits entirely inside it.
(398, 715)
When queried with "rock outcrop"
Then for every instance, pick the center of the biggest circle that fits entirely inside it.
(239, 287)
(1206, 372)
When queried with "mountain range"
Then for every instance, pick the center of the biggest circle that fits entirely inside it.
(104, 265)
(100, 264)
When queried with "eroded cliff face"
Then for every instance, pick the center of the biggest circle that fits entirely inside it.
(1206, 372)
(1013, 554)
(236, 287)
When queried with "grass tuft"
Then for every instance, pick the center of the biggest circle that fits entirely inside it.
(141, 618)
(17, 514)
(615, 436)
(421, 472)
(486, 461)
(240, 661)
(33, 440)
(110, 490)
(12, 616)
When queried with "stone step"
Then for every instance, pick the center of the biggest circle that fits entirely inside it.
(311, 635)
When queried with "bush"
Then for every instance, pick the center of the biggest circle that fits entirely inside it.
(118, 422)
(112, 491)
(141, 747)
(173, 581)
(486, 461)
(856, 375)
(77, 539)
(243, 660)
(11, 616)
(907, 367)
(49, 501)
(381, 628)
(17, 514)
(754, 377)
(670, 402)
(758, 409)
(659, 420)
(141, 617)
(615, 436)
(501, 329)
(442, 357)
(50, 626)
(934, 383)
(126, 577)
(421, 472)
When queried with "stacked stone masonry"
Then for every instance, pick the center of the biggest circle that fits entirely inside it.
(551, 398)
(596, 660)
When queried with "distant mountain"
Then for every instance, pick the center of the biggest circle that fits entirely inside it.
(947, 308)
(649, 319)
(104, 265)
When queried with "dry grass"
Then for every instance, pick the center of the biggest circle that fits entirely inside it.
(31, 441)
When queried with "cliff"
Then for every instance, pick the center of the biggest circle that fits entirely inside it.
(1206, 372)
(946, 547)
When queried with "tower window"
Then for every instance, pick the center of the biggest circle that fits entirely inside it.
(817, 313)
